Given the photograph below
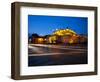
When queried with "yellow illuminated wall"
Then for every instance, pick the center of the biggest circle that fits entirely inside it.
(52, 39)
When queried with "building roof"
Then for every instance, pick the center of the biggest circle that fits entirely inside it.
(63, 32)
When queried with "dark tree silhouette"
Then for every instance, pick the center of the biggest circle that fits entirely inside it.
(46, 36)
(35, 35)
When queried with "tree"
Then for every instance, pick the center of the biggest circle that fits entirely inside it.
(35, 35)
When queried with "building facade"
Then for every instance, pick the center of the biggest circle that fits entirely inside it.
(61, 36)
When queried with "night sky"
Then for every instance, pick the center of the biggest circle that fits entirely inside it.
(44, 25)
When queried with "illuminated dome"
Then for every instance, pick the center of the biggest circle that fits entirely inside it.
(63, 32)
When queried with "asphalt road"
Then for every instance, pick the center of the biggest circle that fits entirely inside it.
(43, 55)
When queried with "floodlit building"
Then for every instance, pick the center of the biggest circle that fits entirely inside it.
(61, 36)
(66, 36)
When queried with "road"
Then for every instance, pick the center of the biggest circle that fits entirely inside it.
(43, 55)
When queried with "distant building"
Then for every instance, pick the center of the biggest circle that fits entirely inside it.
(63, 36)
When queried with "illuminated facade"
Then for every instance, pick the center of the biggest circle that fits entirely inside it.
(67, 36)
(63, 36)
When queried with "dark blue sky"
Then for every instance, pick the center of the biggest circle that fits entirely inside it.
(44, 25)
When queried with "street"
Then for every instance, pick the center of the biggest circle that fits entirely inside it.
(43, 55)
